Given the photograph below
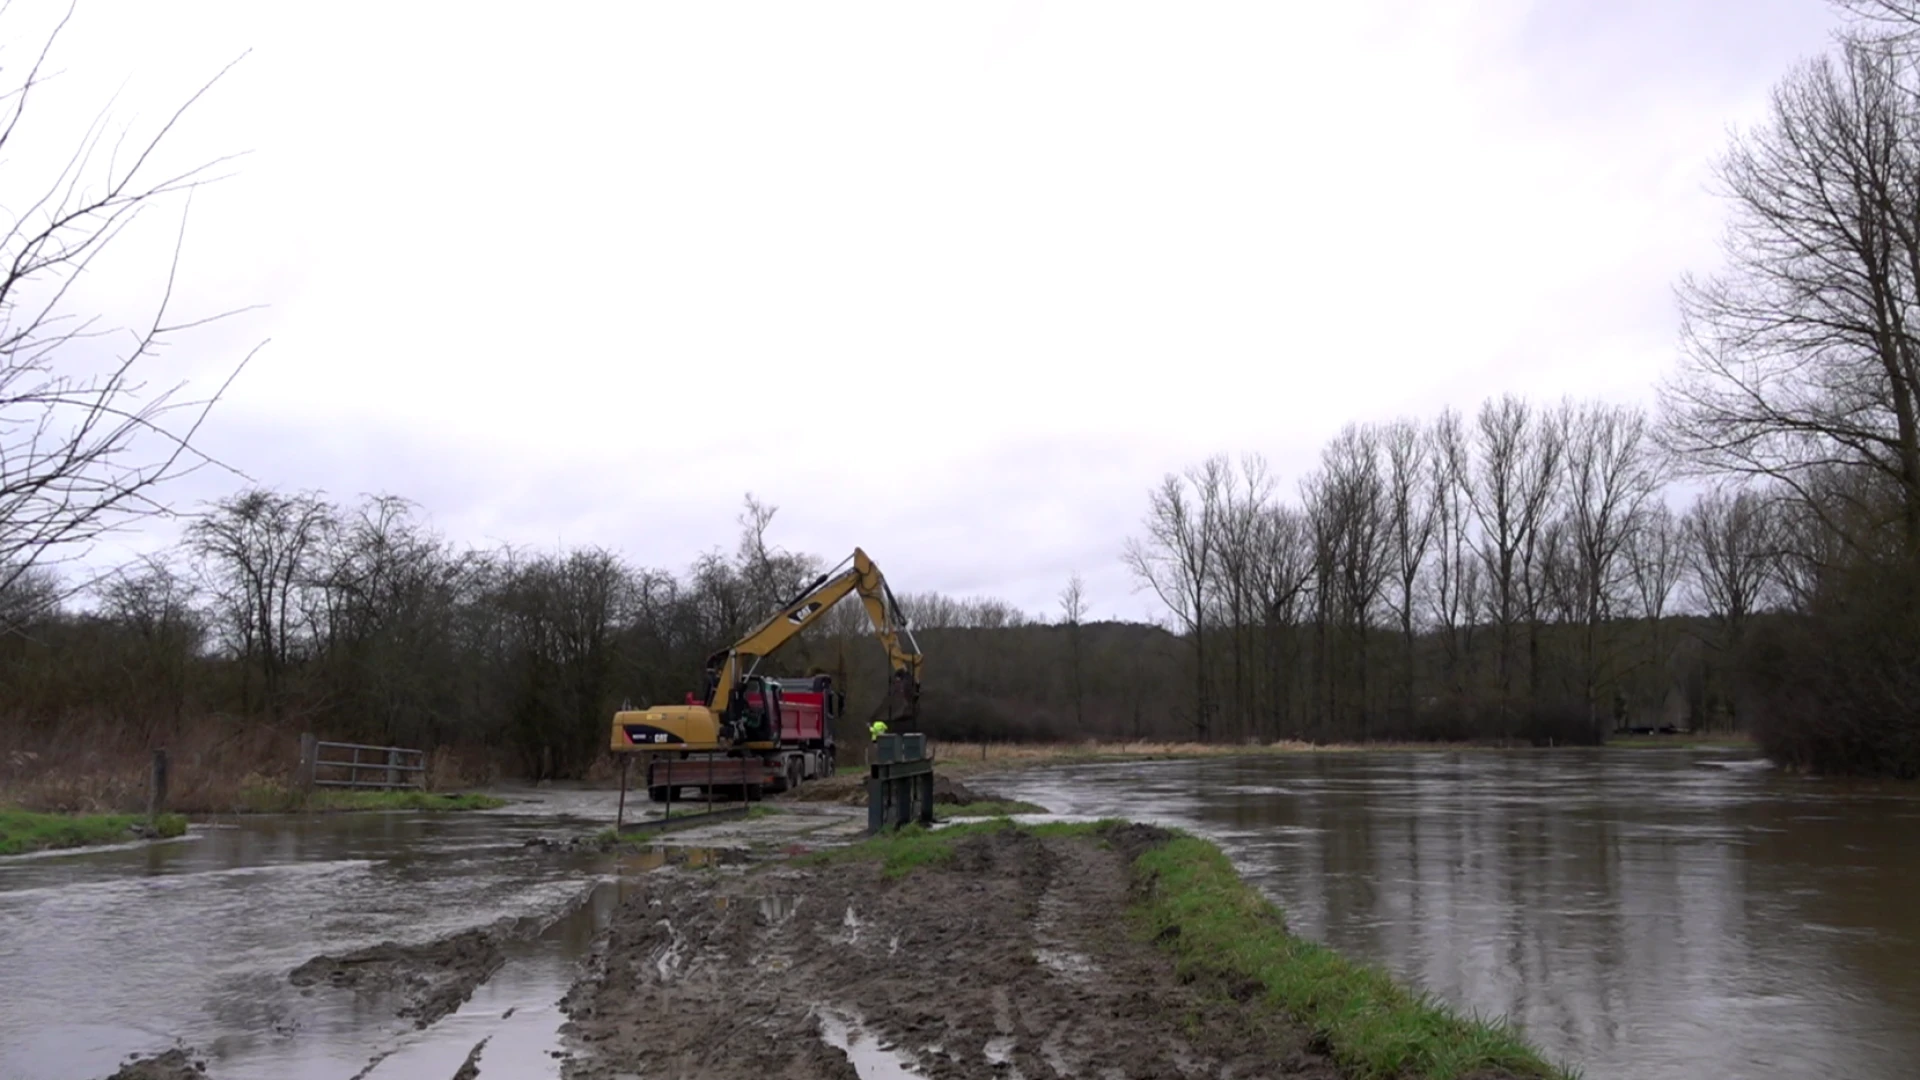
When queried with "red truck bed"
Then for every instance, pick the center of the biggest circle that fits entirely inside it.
(802, 716)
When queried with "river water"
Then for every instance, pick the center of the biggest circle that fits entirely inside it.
(114, 951)
(1655, 915)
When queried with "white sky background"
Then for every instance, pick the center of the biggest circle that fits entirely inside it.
(954, 283)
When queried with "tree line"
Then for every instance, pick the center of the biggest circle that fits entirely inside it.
(1748, 555)
(360, 622)
(1519, 573)
(1510, 573)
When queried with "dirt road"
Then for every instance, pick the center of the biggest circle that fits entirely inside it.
(1012, 959)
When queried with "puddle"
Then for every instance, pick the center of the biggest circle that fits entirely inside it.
(777, 909)
(871, 1061)
(653, 858)
(1065, 961)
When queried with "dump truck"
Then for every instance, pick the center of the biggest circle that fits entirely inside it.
(751, 733)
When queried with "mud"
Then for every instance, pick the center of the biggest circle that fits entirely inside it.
(427, 981)
(470, 1068)
(175, 1064)
(1011, 960)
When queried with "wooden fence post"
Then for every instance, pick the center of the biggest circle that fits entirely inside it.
(303, 773)
(157, 786)
(393, 767)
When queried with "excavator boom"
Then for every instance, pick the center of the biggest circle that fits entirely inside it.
(716, 724)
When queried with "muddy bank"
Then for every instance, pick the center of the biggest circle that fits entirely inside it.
(1012, 955)
(426, 981)
(175, 1064)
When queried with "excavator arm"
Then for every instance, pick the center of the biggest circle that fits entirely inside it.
(903, 653)
(711, 725)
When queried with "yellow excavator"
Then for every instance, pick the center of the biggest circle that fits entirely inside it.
(755, 731)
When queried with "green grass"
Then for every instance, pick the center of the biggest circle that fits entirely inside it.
(22, 831)
(1215, 924)
(989, 809)
(273, 798)
(1196, 906)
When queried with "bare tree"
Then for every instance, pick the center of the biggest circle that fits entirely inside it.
(1654, 557)
(260, 549)
(1347, 511)
(1902, 17)
(1412, 511)
(85, 440)
(1176, 560)
(1456, 572)
(1610, 476)
(1802, 356)
(1285, 571)
(157, 603)
(1728, 552)
(1073, 609)
(1244, 496)
(1510, 492)
(1806, 550)
(771, 574)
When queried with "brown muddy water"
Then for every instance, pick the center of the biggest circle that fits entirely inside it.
(1658, 915)
(1641, 914)
(111, 952)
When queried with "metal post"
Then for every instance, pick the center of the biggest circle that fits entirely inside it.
(876, 804)
(303, 774)
(393, 767)
(157, 786)
(620, 811)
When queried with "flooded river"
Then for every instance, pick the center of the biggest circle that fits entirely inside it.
(1653, 915)
(109, 952)
(1658, 915)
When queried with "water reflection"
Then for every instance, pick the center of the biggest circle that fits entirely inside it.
(1651, 914)
(113, 952)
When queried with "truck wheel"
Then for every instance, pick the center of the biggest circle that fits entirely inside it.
(657, 794)
(793, 774)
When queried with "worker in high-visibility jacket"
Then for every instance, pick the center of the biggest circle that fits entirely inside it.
(878, 728)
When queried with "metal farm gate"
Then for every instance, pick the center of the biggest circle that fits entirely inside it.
(354, 765)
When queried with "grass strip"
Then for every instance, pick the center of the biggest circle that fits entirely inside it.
(1196, 906)
(23, 831)
(1214, 923)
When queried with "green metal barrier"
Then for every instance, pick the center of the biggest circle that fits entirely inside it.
(899, 782)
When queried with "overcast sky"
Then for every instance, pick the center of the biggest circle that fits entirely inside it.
(956, 283)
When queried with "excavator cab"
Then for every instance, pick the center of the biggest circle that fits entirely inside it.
(756, 709)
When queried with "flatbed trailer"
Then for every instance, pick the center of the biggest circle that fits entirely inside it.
(738, 777)
(800, 714)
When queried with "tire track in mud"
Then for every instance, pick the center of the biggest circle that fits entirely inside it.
(1011, 960)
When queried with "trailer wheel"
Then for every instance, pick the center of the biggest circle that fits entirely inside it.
(657, 794)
